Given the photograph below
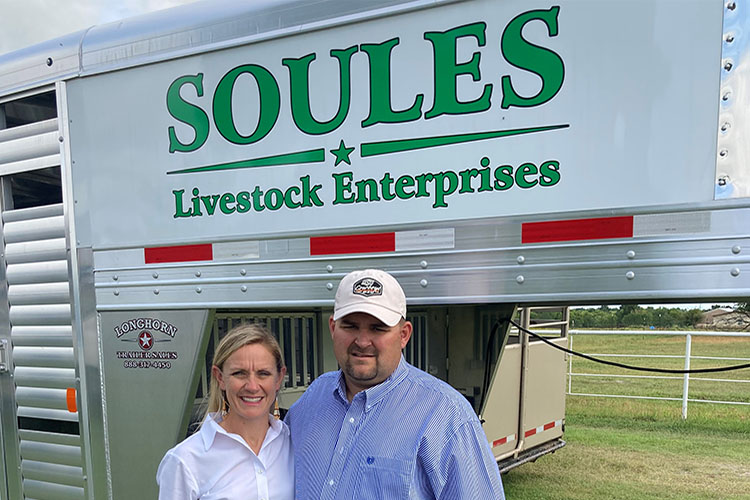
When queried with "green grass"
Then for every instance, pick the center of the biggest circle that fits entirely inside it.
(642, 449)
(624, 449)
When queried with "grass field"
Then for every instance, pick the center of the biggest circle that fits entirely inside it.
(642, 449)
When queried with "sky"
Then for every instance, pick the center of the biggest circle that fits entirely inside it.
(27, 22)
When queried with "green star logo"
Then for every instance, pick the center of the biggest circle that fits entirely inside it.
(342, 153)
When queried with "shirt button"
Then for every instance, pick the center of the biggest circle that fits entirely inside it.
(260, 471)
(330, 482)
(351, 420)
(341, 451)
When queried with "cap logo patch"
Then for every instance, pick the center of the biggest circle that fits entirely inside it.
(367, 287)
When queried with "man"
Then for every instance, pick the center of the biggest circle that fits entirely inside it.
(380, 428)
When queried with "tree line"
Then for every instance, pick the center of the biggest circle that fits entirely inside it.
(635, 316)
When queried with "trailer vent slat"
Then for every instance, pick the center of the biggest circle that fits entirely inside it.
(28, 130)
(42, 336)
(35, 251)
(56, 473)
(34, 230)
(49, 438)
(51, 453)
(47, 357)
(35, 397)
(47, 414)
(39, 489)
(55, 378)
(26, 148)
(43, 314)
(39, 293)
(38, 272)
(32, 213)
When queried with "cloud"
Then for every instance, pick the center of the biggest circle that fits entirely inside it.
(27, 22)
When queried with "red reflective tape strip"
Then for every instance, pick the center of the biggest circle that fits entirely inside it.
(502, 441)
(354, 243)
(542, 428)
(182, 253)
(70, 399)
(499, 442)
(578, 229)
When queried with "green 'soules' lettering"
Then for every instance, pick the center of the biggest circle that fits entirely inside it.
(447, 71)
(525, 55)
(299, 92)
(187, 113)
(270, 103)
(453, 93)
(381, 110)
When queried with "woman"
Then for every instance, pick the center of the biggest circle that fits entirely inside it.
(240, 451)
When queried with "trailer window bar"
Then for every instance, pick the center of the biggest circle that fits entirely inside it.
(417, 351)
(297, 335)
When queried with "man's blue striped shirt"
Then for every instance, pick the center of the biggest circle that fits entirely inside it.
(410, 437)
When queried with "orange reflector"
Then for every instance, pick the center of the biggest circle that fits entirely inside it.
(71, 400)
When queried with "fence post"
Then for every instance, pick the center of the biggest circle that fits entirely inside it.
(686, 377)
(570, 363)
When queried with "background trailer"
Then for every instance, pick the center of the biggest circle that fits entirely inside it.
(168, 176)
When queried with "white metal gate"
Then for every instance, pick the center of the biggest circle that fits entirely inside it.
(40, 424)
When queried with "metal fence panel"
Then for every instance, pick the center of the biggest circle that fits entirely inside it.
(633, 357)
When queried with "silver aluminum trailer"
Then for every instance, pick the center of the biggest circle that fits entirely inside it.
(167, 176)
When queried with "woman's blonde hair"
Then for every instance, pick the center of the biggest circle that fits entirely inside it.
(240, 336)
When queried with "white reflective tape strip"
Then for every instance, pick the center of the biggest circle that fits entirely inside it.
(104, 259)
(666, 224)
(236, 250)
(432, 239)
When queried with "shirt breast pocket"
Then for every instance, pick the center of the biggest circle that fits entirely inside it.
(385, 478)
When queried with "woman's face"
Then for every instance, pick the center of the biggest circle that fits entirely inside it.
(250, 379)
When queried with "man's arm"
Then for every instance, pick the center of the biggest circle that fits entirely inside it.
(467, 468)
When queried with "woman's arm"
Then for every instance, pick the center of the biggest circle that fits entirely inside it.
(175, 480)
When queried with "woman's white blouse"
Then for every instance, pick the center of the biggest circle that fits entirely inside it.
(213, 464)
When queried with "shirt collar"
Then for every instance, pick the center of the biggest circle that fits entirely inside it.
(211, 427)
(374, 394)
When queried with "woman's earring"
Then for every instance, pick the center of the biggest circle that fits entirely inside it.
(276, 412)
(224, 405)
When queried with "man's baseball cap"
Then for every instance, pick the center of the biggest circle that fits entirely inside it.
(370, 291)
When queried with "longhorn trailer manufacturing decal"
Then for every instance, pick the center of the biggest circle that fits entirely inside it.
(146, 333)
(452, 72)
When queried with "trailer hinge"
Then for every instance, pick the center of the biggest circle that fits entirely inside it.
(4, 356)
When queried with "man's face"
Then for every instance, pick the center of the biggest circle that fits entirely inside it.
(367, 350)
